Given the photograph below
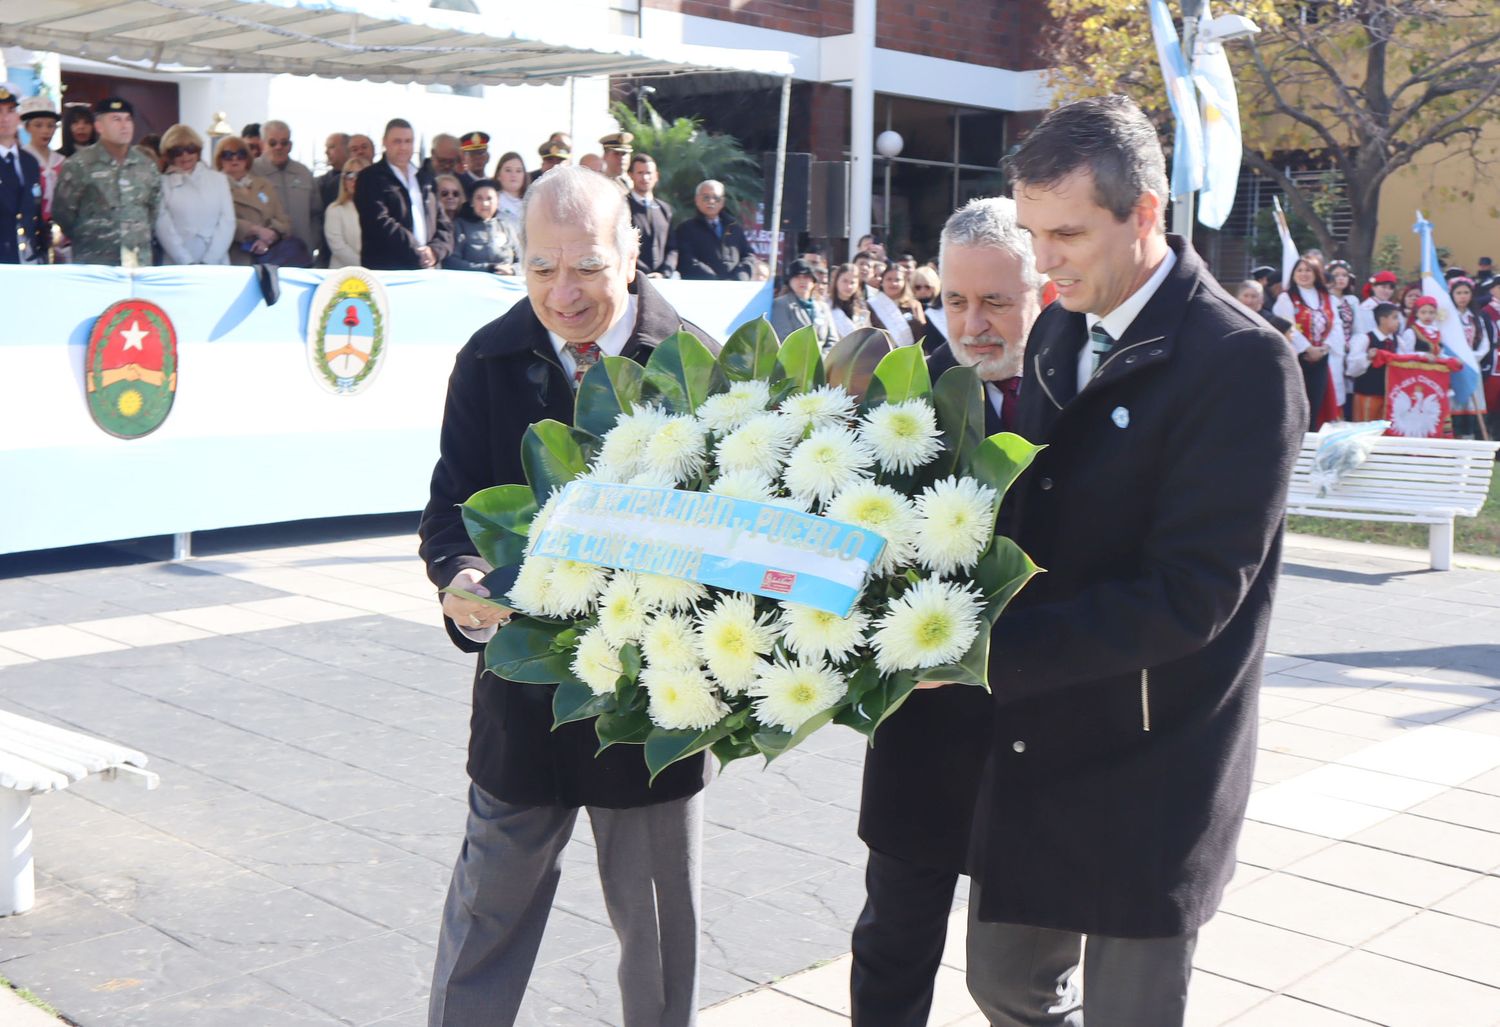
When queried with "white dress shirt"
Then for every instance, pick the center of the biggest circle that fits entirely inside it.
(418, 204)
(1119, 320)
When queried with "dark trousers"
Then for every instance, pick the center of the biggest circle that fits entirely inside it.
(898, 941)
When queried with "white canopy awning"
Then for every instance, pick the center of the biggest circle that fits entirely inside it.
(379, 40)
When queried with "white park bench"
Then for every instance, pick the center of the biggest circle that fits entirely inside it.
(37, 757)
(1406, 481)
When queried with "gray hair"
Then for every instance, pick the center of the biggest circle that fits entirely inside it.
(574, 193)
(708, 181)
(991, 221)
(267, 126)
(1109, 137)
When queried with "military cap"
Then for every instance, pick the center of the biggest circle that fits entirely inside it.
(473, 142)
(554, 150)
(37, 107)
(114, 105)
(6, 96)
(619, 141)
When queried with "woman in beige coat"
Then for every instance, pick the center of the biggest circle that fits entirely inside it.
(260, 222)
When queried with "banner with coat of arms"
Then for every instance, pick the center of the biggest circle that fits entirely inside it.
(1416, 390)
(131, 369)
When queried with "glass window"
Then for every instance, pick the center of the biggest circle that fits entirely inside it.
(926, 128)
(975, 182)
(981, 138)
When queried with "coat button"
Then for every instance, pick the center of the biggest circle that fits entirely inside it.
(1018, 745)
(1130, 359)
(1046, 484)
(1050, 372)
(1156, 352)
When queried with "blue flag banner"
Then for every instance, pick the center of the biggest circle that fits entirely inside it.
(736, 544)
(1187, 148)
(1465, 381)
(1222, 143)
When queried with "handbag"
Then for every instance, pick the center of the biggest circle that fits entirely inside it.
(288, 252)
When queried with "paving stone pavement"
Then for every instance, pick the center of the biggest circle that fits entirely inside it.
(307, 717)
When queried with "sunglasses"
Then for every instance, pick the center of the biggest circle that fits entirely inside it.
(448, 194)
(234, 154)
(182, 151)
(351, 175)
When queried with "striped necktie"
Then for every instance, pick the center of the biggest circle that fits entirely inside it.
(1100, 343)
(585, 355)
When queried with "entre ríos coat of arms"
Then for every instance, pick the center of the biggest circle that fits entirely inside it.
(130, 369)
(347, 331)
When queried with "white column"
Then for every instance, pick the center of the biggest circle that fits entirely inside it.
(862, 122)
(17, 881)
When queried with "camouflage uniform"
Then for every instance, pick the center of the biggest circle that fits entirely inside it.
(107, 207)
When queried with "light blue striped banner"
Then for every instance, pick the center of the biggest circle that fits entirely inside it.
(735, 544)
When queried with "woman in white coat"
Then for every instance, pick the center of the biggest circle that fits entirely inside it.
(195, 222)
(341, 219)
(1318, 337)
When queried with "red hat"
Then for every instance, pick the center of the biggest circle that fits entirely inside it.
(1424, 301)
(1385, 277)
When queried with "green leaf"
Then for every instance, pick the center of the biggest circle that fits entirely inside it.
(681, 374)
(522, 651)
(958, 399)
(610, 388)
(728, 749)
(971, 669)
(622, 726)
(573, 700)
(900, 375)
(497, 520)
(800, 360)
(999, 461)
(866, 715)
(1003, 571)
(750, 353)
(663, 747)
(852, 361)
(630, 660)
(552, 454)
(774, 743)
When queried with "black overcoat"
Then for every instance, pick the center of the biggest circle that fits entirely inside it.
(705, 256)
(1126, 677)
(658, 247)
(387, 242)
(504, 379)
(23, 234)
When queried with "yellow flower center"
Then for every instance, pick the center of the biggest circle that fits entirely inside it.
(802, 693)
(733, 639)
(874, 511)
(903, 425)
(934, 629)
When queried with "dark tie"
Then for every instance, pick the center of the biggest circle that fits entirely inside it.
(1010, 391)
(718, 228)
(1100, 343)
(585, 355)
(13, 165)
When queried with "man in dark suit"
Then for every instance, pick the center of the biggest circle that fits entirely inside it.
(712, 246)
(22, 231)
(1126, 677)
(923, 771)
(585, 300)
(652, 218)
(402, 227)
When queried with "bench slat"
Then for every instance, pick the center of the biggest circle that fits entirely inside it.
(24, 776)
(80, 746)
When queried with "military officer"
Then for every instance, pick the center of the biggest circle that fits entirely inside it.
(107, 194)
(618, 146)
(22, 236)
(475, 146)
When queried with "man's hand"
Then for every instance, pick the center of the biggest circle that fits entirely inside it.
(424, 254)
(465, 612)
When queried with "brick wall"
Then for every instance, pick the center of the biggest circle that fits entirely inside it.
(993, 33)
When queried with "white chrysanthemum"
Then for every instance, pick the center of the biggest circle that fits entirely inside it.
(541, 517)
(653, 480)
(532, 591)
(812, 633)
(760, 444)
(681, 698)
(597, 663)
(606, 473)
(574, 588)
(955, 524)
(744, 485)
(933, 623)
(823, 407)
(728, 410)
(622, 614)
(660, 592)
(733, 641)
(883, 510)
(903, 436)
(826, 462)
(669, 640)
(677, 449)
(625, 444)
(790, 693)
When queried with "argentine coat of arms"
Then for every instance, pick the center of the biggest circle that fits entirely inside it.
(347, 331)
(130, 369)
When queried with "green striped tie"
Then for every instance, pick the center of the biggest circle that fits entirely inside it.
(1099, 343)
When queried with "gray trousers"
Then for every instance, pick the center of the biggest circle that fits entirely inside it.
(502, 891)
(1028, 976)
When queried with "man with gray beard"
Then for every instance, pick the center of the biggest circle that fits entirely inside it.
(922, 773)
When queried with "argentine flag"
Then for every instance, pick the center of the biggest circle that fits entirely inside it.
(1187, 147)
(1222, 143)
(1464, 382)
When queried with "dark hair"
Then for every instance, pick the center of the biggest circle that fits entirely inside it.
(856, 303)
(869, 255)
(508, 156)
(1385, 310)
(72, 113)
(1107, 136)
(1320, 281)
(251, 131)
(396, 123)
(485, 183)
(640, 157)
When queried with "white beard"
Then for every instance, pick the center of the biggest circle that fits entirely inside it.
(997, 368)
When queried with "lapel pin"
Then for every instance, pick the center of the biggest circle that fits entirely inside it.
(1121, 417)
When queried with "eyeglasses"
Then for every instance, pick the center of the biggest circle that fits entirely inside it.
(182, 151)
(234, 154)
(449, 194)
(351, 175)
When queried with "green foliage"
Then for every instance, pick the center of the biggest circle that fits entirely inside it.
(681, 374)
(610, 388)
(498, 520)
(1388, 255)
(958, 400)
(901, 375)
(750, 353)
(799, 361)
(527, 649)
(685, 155)
(553, 455)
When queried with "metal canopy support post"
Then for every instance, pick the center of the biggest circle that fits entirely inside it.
(862, 123)
(182, 546)
(786, 106)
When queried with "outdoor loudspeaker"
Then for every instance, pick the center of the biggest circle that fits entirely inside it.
(795, 196)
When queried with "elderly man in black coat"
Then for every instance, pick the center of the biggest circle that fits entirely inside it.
(711, 246)
(584, 300)
(1126, 677)
(923, 771)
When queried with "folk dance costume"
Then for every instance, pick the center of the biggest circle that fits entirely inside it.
(1315, 323)
(1479, 333)
(1368, 380)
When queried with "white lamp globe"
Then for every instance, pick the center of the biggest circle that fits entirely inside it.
(888, 144)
